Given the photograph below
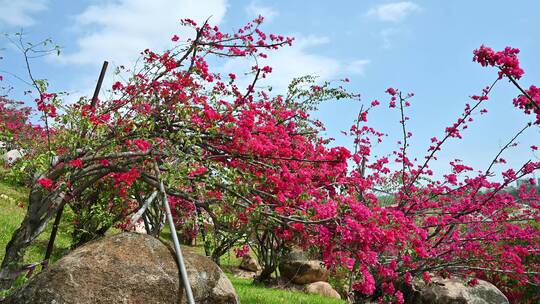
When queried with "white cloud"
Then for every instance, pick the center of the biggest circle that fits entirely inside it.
(388, 35)
(254, 10)
(357, 66)
(297, 60)
(394, 12)
(18, 12)
(119, 30)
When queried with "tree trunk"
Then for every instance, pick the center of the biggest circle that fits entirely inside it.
(154, 220)
(266, 274)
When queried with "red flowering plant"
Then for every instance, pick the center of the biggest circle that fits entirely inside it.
(234, 154)
(465, 224)
(18, 128)
(15, 128)
(23, 137)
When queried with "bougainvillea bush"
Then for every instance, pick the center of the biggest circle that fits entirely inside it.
(236, 154)
(18, 133)
(464, 224)
(254, 167)
(14, 125)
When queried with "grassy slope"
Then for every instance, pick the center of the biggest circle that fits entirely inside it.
(11, 216)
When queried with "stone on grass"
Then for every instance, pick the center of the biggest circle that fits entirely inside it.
(249, 263)
(11, 156)
(455, 290)
(323, 289)
(126, 268)
(300, 271)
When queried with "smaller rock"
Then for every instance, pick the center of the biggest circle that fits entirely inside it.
(12, 156)
(455, 290)
(323, 289)
(243, 274)
(303, 272)
(249, 263)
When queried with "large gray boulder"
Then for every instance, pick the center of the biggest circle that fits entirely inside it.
(456, 291)
(127, 268)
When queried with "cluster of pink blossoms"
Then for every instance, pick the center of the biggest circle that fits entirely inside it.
(506, 60)
(508, 64)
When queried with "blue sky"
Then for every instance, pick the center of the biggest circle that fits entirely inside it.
(421, 46)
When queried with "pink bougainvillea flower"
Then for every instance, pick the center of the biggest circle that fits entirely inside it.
(426, 277)
(45, 183)
(76, 163)
(391, 91)
(143, 145)
(198, 171)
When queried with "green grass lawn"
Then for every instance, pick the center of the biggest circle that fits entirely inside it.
(11, 215)
(250, 293)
